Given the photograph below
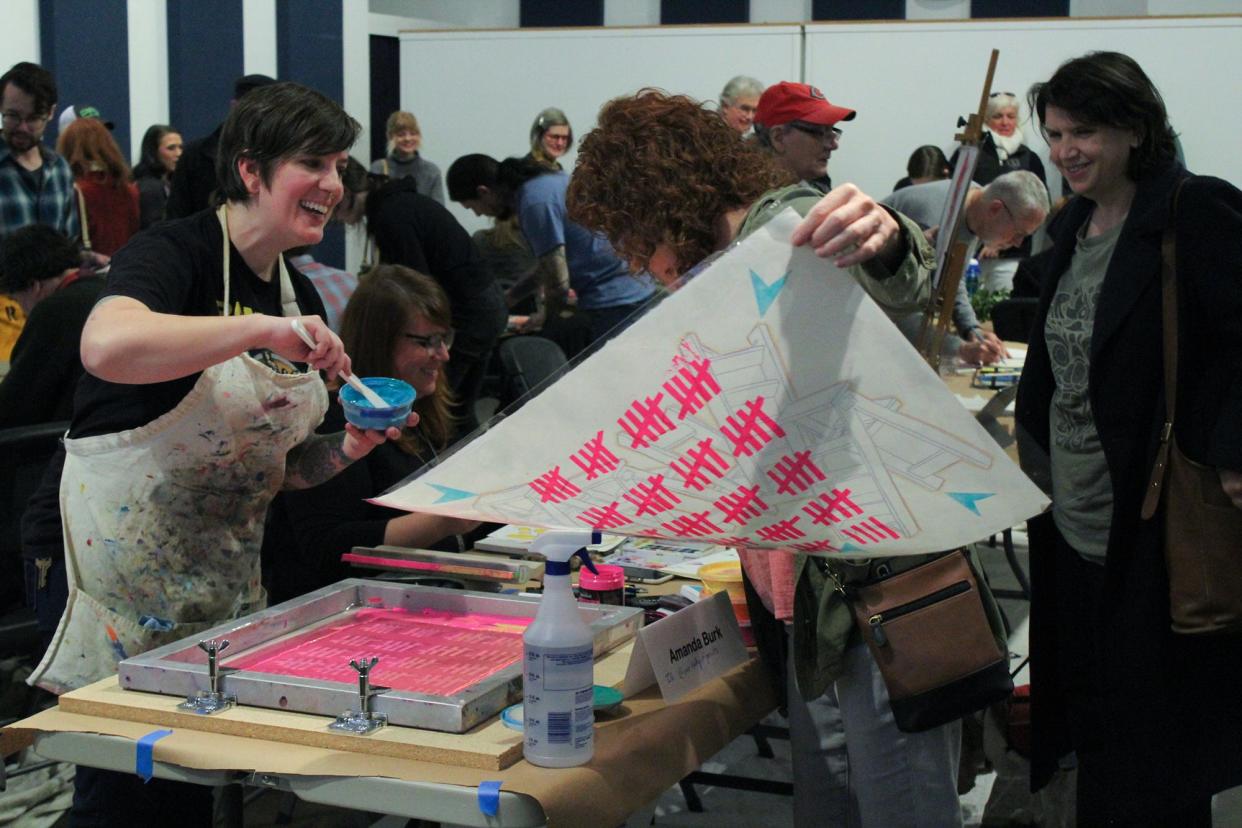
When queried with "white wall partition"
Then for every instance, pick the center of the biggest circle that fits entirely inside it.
(910, 80)
(479, 91)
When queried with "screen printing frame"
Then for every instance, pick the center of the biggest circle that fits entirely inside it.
(180, 668)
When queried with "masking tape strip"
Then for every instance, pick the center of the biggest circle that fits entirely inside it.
(145, 750)
(489, 797)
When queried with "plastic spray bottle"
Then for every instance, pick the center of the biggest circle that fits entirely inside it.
(559, 661)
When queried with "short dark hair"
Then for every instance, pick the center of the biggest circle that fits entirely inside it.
(274, 123)
(34, 253)
(1111, 89)
(928, 161)
(470, 172)
(249, 83)
(35, 81)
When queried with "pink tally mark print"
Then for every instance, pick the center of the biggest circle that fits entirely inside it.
(795, 474)
(832, 508)
(645, 422)
(750, 428)
(652, 497)
(700, 466)
(692, 387)
(741, 505)
(782, 530)
(695, 524)
(604, 517)
(595, 458)
(552, 487)
(871, 530)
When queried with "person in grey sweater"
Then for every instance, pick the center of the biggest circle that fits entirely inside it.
(403, 160)
(1001, 215)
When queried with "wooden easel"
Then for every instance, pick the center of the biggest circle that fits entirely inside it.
(939, 312)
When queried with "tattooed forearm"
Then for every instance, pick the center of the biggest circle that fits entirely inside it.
(321, 457)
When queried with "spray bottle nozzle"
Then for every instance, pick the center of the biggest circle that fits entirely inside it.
(558, 546)
(586, 560)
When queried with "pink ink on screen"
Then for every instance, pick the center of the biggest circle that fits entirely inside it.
(434, 652)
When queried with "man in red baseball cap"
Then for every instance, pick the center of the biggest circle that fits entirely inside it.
(798, 124)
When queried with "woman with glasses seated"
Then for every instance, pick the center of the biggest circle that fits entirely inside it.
(408, 228)
(397, 324)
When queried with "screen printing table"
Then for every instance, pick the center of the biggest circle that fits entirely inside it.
(649, 747)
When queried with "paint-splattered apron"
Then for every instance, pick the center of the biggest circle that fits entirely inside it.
(163, 523)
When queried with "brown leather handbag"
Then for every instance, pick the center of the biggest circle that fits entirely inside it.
(1202, 528)
(931, 637)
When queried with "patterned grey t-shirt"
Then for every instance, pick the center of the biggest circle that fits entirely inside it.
(1082, 493)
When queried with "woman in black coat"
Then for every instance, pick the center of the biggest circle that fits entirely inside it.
(1152, 716)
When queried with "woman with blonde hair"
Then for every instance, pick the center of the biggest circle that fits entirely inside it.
(108, 197)
(551, 136)
(403, 161)
(398, 324)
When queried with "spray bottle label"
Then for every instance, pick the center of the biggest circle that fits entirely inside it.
(559, 691)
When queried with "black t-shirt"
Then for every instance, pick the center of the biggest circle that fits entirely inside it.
(45, 363)
(177, 268)
(418, 232)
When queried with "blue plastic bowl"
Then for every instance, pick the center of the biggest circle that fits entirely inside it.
(400, 396)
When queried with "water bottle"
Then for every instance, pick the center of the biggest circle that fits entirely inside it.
(559, 662)
(972, 277)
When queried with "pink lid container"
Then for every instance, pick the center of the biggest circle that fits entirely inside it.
(609, 577)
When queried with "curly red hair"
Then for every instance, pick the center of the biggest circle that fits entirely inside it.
(661, 169)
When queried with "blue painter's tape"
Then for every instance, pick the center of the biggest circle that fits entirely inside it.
(143, 762)
(489, 797)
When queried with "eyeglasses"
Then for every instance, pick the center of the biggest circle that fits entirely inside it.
(432, 343)
(14, 118)
(821, 132)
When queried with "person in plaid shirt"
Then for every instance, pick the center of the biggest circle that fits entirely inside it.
(36, 185)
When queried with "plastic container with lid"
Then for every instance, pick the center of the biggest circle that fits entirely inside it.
(607, 586)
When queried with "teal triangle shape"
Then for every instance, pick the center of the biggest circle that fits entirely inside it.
(970, 499)
(448, 494)
(766, 294)
(849, 547)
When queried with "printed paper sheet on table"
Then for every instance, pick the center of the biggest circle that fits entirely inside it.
(767, 403)
(429, 651)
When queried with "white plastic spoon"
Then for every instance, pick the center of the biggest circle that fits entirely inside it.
(369, 394)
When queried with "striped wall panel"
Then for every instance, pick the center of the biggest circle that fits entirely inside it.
(83, 43)
(201, 76)
(548, 13)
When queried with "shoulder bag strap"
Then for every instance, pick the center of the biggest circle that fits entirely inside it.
(1168, 302)
(86, 229)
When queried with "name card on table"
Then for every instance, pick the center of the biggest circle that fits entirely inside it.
(687, 649)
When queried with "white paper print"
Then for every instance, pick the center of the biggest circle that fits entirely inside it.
(768, 403)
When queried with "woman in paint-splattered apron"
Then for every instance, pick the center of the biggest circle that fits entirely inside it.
(163, 514)
(163, 522)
